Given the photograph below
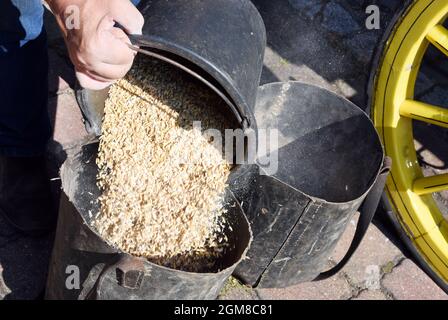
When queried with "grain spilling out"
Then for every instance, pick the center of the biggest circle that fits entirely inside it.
(162, 180)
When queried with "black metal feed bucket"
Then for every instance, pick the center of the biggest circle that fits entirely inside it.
(329, 158)
(220, 42)
(106, 273)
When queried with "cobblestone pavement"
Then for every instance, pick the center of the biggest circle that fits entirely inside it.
(323, 42)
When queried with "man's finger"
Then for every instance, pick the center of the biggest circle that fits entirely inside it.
(89, 83)
(128, 16)
(112, 45)
(109, 72)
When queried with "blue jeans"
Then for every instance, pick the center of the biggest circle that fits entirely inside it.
(24, 122)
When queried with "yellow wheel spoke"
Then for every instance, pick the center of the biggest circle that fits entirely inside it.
(438, 36)
(419, 213)
(432, 184)
(425, 112)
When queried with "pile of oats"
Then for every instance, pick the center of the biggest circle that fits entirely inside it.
(162, 179)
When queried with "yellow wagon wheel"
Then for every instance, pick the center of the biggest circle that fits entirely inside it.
(394, 109)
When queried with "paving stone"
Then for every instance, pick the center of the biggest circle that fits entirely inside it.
(438, 96)
(308, 7)
(346, 90)
(363, 45)
(67, 119)
(433, 158)
(310, 47)
(4, 290)
(354, 89)
(392, 5)
(335, 288)
(375, 251)
(283, 70)
(24, 263)
(358, 8)
(7, 232)
(234, 290)
(371, 295)
(408, 282)
(307, 56)
(302, 4)
(435, 65)
(337, 19)
(422, 84)
(355, 4)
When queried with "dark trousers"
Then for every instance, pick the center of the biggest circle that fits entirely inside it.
(24, 122)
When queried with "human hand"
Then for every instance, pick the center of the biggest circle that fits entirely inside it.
(98, 49)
